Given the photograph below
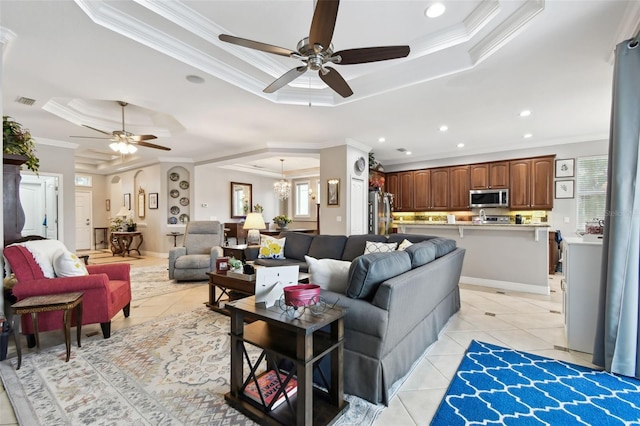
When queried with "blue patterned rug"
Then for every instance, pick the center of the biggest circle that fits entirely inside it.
(501, 386)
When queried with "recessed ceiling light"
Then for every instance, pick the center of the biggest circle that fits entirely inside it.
(196, 79)
(460, 145)
(444, 128)
(381, 140)
(525, 113)
(435, 10)
(527, 135)
(408, 152)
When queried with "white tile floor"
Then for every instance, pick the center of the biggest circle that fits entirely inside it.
(528, 322)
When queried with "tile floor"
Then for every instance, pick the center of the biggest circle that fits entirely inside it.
(522, 321)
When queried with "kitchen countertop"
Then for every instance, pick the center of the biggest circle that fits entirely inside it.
(469, 223)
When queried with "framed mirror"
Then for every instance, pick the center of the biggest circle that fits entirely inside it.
(241, 200)
(141, 209)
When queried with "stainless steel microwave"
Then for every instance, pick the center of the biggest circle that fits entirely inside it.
(489, 198)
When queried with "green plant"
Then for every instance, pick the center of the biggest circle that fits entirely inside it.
(282, 219)
(258, 208)
(17, 141)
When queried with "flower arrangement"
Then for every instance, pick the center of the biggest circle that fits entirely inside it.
(282, 220)
(17, 141)
(258, 208)
(376, 182)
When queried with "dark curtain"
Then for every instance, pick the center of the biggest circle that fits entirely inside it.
(617, 339)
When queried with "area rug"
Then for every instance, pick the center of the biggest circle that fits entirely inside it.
(173, 371)
(103, 257)
(150, 281)
(501, 386)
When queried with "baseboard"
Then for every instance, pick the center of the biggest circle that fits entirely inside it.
(506, 285)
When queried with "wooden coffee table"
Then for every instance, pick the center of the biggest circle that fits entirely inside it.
(227, 285)
(47, 303)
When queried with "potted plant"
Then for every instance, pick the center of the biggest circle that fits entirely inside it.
(282, 221)
(17, 141)
(258, 208)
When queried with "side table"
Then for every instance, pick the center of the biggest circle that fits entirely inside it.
(52, 302)
(175, 236)
(299, 340)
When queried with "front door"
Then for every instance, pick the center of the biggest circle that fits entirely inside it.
(83, 220)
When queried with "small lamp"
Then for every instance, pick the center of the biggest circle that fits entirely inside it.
(123, 211)
(253, 223)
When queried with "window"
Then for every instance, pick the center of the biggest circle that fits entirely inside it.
(591, 189)
(82, 180)
(302, 199)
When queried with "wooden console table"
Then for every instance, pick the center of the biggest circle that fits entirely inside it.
(123, 243)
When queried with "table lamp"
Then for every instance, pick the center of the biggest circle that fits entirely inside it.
(123, 211)
(253, 223)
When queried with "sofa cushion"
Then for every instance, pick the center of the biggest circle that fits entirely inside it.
(375, 247)
(356, 243)
(193, 261)
(414, 238)
(271, 248)
(67, 264)
(368, 271)
(329, 274)
(443, 246)
(327, 246)
(297, 245)
(404, 244)
(421, 253)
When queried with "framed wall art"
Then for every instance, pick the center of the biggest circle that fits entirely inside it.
(564, 168)
(107, 204)
(153, 200)
(127, 200)
(564, 188)
(141, 203)
(333, 192)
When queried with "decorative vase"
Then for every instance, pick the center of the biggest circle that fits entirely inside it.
(281, 225)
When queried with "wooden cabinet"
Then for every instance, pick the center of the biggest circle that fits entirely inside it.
(531, 183)
(459, 182)
(493, 175)
(391, 185)
(422, 190)
(440, 189)
(400, 184)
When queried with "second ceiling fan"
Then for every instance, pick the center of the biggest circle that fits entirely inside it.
(316, 51)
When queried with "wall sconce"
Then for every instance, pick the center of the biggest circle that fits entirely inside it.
(312, 194)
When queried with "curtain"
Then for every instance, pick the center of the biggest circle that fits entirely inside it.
(617, 343)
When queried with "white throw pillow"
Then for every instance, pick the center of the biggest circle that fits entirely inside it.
(372, 247)
(329, 274)
(67, 264)
(404, 244)
(271, 248)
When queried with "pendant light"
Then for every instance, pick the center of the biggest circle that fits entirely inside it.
(282, 188)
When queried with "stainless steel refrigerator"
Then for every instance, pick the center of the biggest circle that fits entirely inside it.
(380, 209)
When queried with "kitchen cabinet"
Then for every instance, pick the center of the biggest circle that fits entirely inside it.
(494, 175)
(400, 184)
(581, 292)
(422, 190)
(531, 183)
(391, 185)
(459, 182)
(440, 189)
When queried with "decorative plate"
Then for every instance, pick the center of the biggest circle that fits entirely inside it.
(174, 176)
(184, 201)
(175, 210)
(173, 220)
(184, 218)
(184, 184)
(174, 193)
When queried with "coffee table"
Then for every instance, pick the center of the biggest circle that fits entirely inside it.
(52, 302)
(300, 340)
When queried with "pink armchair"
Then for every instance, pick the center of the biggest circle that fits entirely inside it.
(107, 289)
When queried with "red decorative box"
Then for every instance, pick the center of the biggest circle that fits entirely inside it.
(222, 265)
(301, 295)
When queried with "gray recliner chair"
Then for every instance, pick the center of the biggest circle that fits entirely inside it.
(201, 248)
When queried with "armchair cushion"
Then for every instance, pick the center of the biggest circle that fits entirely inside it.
(202, 246)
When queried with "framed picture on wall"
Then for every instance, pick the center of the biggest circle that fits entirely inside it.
(153, 200)
(564, 168)
(127, 200)
(333, 192)
(107, 204)
(564, 189)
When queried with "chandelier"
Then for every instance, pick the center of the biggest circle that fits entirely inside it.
(123, 147)
(282, 188)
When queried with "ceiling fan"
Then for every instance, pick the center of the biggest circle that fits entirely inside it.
(316, 51)
(124, 141)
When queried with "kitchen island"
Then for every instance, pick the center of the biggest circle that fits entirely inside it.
(505, 256)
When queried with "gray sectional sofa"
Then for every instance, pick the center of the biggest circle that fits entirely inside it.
(397, 302)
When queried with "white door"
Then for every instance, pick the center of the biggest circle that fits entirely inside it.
(83, 220)
(358, 213)
(32, 200)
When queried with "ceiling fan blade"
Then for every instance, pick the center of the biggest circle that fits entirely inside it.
(97, 130)
(323, 23)
(371, 54)
(151, 145)
(285, 79)
(257, 45)
(90, 137)
(336, 82)
(139, 138)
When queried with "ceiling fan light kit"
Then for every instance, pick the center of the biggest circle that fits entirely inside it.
(316, 51)
(123, 147)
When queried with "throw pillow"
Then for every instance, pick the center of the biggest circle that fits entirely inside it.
(329, 274)
(271, 248)
(373, 247)
(67, 264)
(404, 244)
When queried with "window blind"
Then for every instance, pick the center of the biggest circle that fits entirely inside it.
(591, 189)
